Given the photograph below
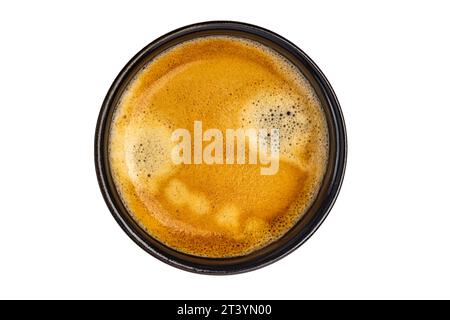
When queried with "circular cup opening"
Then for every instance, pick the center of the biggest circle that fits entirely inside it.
(309, 222)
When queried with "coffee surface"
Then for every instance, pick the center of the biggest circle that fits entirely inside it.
(217, 210)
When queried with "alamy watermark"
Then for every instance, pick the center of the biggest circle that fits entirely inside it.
(242, 146)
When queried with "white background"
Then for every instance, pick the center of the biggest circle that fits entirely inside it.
(388, 235)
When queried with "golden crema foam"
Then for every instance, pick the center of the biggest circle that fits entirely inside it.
(217, 210)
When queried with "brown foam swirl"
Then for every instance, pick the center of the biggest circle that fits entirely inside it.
(218, 210)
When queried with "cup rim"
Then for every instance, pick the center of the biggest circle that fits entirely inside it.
(166, 255)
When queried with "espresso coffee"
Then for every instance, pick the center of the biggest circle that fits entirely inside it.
(206, 90)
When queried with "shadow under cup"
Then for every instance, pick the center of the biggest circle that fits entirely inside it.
(309, 222)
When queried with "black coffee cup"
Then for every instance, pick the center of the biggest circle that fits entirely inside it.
(309, 222)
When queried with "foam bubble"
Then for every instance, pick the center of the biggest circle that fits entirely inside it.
(179, 195)
(145, 154)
